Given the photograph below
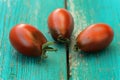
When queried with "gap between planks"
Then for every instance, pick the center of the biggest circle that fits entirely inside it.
(67, 61)
(67, 50)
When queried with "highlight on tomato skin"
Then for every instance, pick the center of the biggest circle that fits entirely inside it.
(28, 40)
(61, 25)
(94, 38)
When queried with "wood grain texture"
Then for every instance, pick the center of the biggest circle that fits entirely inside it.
(14, 66)
(104, 65)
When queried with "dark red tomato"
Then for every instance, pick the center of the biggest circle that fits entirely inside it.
(61, 25)
(95, 37)
(27, 39)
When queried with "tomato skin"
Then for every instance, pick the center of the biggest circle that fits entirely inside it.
(27, 39)
(60, 23)
(95, 37)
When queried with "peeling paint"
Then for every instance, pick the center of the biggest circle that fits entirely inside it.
(78, 16)
(80, 24)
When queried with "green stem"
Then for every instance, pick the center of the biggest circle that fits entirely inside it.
(43, 54)
(47, 44)
(50, 49)
(75, 48)
(45, 47)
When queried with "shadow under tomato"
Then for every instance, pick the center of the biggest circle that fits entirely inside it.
(25, 60)
(36, 61)
(97, 53)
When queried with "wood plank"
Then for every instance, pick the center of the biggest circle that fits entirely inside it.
(103, 65)
(14, 66)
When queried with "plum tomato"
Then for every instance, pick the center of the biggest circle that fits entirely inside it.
(28, 40)
(95, 37)
(61, 25)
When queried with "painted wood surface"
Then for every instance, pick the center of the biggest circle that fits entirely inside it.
(14, 66)
(104, 65)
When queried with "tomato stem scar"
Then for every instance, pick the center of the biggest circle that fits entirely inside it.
(63, 40)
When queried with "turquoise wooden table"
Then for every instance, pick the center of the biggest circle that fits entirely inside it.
(104, 65)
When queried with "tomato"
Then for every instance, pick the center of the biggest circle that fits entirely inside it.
(61, 25)
(28, 40)
(95, 37)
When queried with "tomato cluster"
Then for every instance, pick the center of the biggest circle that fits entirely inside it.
(29, 41)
